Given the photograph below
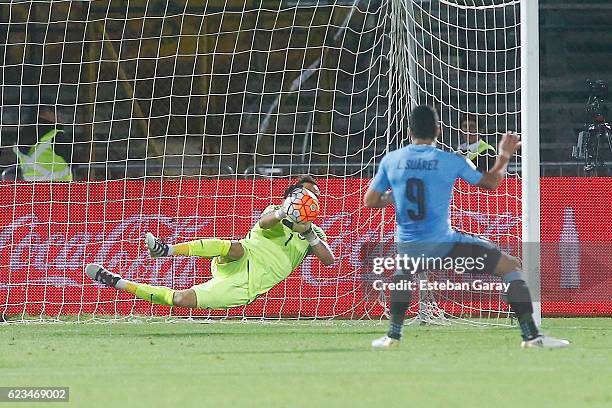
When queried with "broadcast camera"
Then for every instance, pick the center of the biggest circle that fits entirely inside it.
(597, 131)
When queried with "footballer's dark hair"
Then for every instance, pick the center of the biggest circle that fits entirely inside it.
(424, 122)
(467, 118)
(46, 109)
(299, 184)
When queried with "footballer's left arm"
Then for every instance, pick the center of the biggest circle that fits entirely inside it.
(322, 251)
(317, 240)
(375, 199)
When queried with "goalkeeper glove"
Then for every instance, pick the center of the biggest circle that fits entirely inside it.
(284, 210)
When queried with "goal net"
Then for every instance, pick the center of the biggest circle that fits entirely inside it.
(186, 119)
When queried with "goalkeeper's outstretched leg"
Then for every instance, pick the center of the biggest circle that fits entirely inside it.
(206, 248)
(160, 295)
(226, 251)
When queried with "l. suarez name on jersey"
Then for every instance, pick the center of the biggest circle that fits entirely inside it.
(418, 164)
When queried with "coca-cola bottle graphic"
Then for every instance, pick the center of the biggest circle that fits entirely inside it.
(569, 248)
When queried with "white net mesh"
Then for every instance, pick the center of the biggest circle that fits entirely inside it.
(186, 119)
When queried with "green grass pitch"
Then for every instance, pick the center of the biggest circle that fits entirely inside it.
(307, 364)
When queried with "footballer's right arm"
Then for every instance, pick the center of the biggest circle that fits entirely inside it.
(378, 194)
(272, 217)
(374, 199)
(269, 219)
(509, 144)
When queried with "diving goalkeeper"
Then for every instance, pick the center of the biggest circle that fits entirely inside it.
(242, 270)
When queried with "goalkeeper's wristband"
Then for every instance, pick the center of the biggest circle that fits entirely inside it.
(312, 238)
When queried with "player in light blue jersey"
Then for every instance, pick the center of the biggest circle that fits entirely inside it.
(418, 179)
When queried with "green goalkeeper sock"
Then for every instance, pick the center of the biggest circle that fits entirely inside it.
(207, 248)
(159, 295)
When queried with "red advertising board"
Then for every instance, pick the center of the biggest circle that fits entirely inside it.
(48, 232)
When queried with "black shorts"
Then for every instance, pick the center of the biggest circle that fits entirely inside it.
(469, 253)
(488, 253)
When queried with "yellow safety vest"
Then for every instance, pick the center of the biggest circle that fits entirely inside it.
(41, 163)
(482, 147)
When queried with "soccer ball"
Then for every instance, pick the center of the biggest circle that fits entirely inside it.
(303, 206)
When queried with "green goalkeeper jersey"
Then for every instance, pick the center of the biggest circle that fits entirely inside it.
(274, 253)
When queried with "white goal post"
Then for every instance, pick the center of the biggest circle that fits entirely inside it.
(530, 164)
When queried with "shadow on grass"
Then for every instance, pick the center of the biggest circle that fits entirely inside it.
(288, 352)
(250, 333)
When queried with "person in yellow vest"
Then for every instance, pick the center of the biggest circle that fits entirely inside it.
(43, 151)
(474, 147)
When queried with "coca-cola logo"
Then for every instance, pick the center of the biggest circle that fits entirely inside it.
(490, 226)
(47, 250)
(31, 244)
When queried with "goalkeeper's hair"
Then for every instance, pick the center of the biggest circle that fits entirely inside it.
(299, 184)
(424, 122)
